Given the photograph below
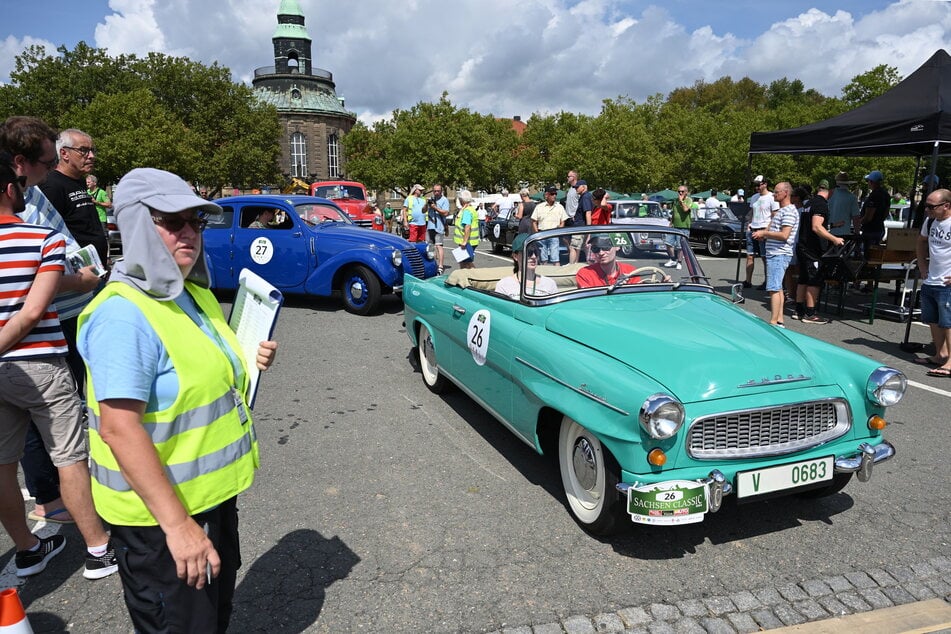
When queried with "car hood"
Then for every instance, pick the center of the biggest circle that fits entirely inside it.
(696, 345)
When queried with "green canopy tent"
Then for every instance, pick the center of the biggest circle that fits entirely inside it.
(666, 194)
(540, 196)
(704, 195)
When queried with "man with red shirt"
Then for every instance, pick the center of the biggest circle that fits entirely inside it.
(606, 269)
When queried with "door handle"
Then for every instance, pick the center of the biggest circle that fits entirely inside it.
(459, 310)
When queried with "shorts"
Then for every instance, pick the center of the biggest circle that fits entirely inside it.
(776, 266)
(42, 390)
(936, 305)
(550, 250)
(435, 237)
(810, 271)
(577, 240)
(674, 241)
(755, 247)
(417, 233)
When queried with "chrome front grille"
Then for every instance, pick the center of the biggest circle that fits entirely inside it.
(767, 432)
(413, 263)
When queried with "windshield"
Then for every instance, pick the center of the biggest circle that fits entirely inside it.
(614, 259)
(338, 191)
(638, 209)
(314, 214)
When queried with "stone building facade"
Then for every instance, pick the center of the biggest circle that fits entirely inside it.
(313, 118)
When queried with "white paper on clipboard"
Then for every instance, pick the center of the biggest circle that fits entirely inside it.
(253, 317)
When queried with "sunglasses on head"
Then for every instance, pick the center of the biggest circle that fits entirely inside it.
(176, 223)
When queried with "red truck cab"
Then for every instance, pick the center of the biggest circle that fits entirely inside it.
(350, 196)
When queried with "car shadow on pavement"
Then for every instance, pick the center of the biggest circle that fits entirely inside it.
(284, 589)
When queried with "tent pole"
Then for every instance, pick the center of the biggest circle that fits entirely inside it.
(914, 190)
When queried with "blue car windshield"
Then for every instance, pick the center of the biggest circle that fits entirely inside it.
(316, 214)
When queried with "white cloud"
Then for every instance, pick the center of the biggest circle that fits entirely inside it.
(537, 56)
(11, 46)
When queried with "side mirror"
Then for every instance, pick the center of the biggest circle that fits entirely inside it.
(736, 294)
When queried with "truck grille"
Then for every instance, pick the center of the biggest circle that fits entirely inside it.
(413, 263)
(767, 432)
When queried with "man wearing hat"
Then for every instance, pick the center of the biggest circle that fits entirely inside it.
(605, 268)
(762, 206)
(843, 207)
(874, 212)
(549, 215)
(414, 214)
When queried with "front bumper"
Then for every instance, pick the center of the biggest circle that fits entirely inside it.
(861, 464)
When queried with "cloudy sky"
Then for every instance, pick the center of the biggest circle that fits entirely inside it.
(505, 57)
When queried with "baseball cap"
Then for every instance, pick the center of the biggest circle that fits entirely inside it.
(417, 186)
(930, 178)
(823, 184)
(519, 241)
(875, 176)
(159, 190)
(740, 192)
(602, 240)
(580, 183)
(759, 179)
(551, 189)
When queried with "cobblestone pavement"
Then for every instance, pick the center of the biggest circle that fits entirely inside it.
(767, 608)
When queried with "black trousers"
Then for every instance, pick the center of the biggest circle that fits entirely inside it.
(158, 601)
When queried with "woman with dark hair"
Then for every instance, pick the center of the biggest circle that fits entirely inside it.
(534, 284)
(601, 214)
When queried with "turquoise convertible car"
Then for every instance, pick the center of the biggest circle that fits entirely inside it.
(657, 395)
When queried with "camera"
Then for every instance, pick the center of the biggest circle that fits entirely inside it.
(431, 202)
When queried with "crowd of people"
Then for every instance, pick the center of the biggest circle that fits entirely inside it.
(171, 443)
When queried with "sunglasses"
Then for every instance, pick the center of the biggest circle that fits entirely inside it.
(598, 249)
(935, 206)
(176, 223)
(84, 150)
(681, 191)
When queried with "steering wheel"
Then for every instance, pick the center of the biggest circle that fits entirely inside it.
(653, 270)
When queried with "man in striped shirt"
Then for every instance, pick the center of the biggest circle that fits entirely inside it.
(36, 382)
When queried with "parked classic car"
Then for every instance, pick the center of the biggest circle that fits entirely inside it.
(717, 234)
(312, 247)
(502, 229)
(350, 196)
(657, 396)
(643, 213)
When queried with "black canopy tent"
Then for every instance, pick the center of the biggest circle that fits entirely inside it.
(911, 119)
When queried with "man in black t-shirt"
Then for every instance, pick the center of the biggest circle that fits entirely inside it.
(874, 212)
(65, 187)
(813, 236)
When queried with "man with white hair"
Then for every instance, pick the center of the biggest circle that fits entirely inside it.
(466, 233)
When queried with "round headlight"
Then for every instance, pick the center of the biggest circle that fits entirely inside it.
(430, 252)
(396, 257)
(661, 416)
(886, 387)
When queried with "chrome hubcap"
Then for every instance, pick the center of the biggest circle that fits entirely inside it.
(356, 290)
(585, 464)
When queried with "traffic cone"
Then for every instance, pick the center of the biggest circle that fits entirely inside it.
(12, 617)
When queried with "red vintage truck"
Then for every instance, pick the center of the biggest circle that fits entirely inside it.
(350, 196)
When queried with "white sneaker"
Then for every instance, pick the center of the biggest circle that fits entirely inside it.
(669, 263)
(679, 266)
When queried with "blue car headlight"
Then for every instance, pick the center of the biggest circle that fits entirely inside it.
(886, 387)
(661, 416)
(396, 257)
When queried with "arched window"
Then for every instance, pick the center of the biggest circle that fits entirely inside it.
(292, 62)
(299, 154)
(333, 156)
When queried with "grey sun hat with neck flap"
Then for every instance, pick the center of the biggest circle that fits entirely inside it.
(147, 264)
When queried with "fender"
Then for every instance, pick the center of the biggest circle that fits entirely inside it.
(322, 280)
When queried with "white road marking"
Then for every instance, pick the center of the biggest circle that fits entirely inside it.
(928, 388)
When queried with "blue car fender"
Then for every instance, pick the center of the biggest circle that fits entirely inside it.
(328, 272)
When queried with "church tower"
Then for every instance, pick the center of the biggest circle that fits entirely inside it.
(313, 117)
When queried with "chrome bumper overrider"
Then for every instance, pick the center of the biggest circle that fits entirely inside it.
(860, 464)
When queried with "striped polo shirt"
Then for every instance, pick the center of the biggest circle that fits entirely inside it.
(25, 251)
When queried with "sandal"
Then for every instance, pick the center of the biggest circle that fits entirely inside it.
(944, 372)
(926, 361)
(51, 517)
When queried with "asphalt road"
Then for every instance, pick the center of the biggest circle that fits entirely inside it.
(380, 507)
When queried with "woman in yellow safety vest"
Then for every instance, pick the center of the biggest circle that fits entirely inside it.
(171, 441)
(466, 230)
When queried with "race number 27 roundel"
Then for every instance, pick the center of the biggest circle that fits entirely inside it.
(262, 250)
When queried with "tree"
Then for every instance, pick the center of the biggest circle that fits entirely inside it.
(218, 130)
(865, 87)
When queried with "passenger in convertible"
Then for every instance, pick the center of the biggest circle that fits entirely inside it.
(534, 284)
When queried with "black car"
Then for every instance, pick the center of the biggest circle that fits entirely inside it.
(717, 230)
(502, 229)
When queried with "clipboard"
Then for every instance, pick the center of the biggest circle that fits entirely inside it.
(253, 318)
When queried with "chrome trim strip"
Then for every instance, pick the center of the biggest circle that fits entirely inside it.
(596, 399)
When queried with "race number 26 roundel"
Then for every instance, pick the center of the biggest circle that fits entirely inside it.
(477, 336)
(262, 250)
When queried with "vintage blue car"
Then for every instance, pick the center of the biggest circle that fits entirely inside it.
(307, 245)
(657, 396)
